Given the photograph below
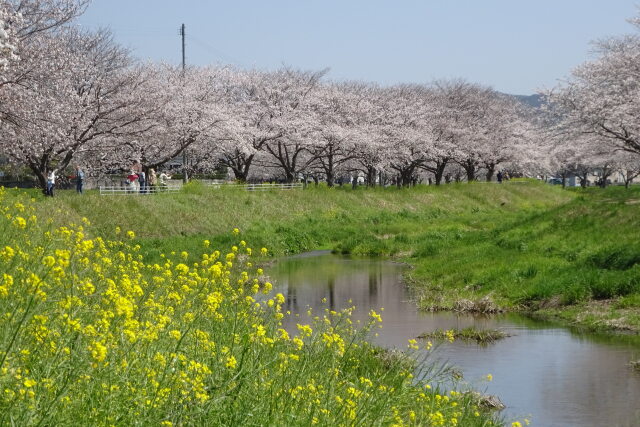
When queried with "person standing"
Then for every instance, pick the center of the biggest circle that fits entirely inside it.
(51, 183)
(137, 166)
(142, 182)
(500, 177)
(132, 180)
(164, 178)
(79, 179)
(139, 183)
(153, 181)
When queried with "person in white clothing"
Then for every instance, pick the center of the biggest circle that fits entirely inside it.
(51, 183)
(164, 178)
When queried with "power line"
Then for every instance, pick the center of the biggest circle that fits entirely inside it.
(216, 52)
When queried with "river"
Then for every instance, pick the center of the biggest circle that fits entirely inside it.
(550, 374)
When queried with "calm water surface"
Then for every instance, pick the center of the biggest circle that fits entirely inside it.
(554, 376)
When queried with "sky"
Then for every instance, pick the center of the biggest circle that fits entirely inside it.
(515, 46)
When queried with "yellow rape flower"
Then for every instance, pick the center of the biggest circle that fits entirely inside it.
(231, 362)
(182, 269)
(98, 351)
(375, 316)
(20, 222)
(7, 253)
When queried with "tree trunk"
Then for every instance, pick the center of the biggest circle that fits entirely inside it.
(371, 177)
(490, 170)
(240, 175)
(289, 178)
(330, 178)
(583, 180)
(471, 172)
(40, 176)
(606, 173)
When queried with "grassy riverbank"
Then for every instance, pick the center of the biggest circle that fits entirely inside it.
(573, 255)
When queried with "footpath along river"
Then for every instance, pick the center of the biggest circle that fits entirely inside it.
(549, 374)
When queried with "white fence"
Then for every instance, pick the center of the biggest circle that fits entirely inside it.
(122, 191)
(176, 187)
(257, 187)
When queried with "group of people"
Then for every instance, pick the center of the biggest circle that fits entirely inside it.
(503, 176)
(137, 180)
(52, 176)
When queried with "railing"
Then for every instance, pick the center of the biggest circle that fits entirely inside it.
(174, 188)
(257, 187)
(133, 191)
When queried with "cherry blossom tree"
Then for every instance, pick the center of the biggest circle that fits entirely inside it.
(9, 24)
(256, 118)
(189, 112)
(372, 150)
(82, 95)
(602, 95)
(628, 167)
(22, 24)
(338, 110)
(289, 94)
(406, 112)
(445, 125)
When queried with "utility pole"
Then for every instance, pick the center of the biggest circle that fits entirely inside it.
(182, 34)
(185, 178)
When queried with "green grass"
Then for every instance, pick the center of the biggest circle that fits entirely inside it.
(583, 251)
(521, 246)
(370, 222)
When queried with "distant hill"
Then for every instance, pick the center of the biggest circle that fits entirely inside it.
(534, 101)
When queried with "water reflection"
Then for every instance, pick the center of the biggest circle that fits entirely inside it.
(558, 376)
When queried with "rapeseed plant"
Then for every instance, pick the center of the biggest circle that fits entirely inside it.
(90, 333)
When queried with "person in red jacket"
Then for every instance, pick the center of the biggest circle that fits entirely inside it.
(131, 180)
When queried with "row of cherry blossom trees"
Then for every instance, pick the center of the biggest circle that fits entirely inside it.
(68, 95)
(291, 123)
